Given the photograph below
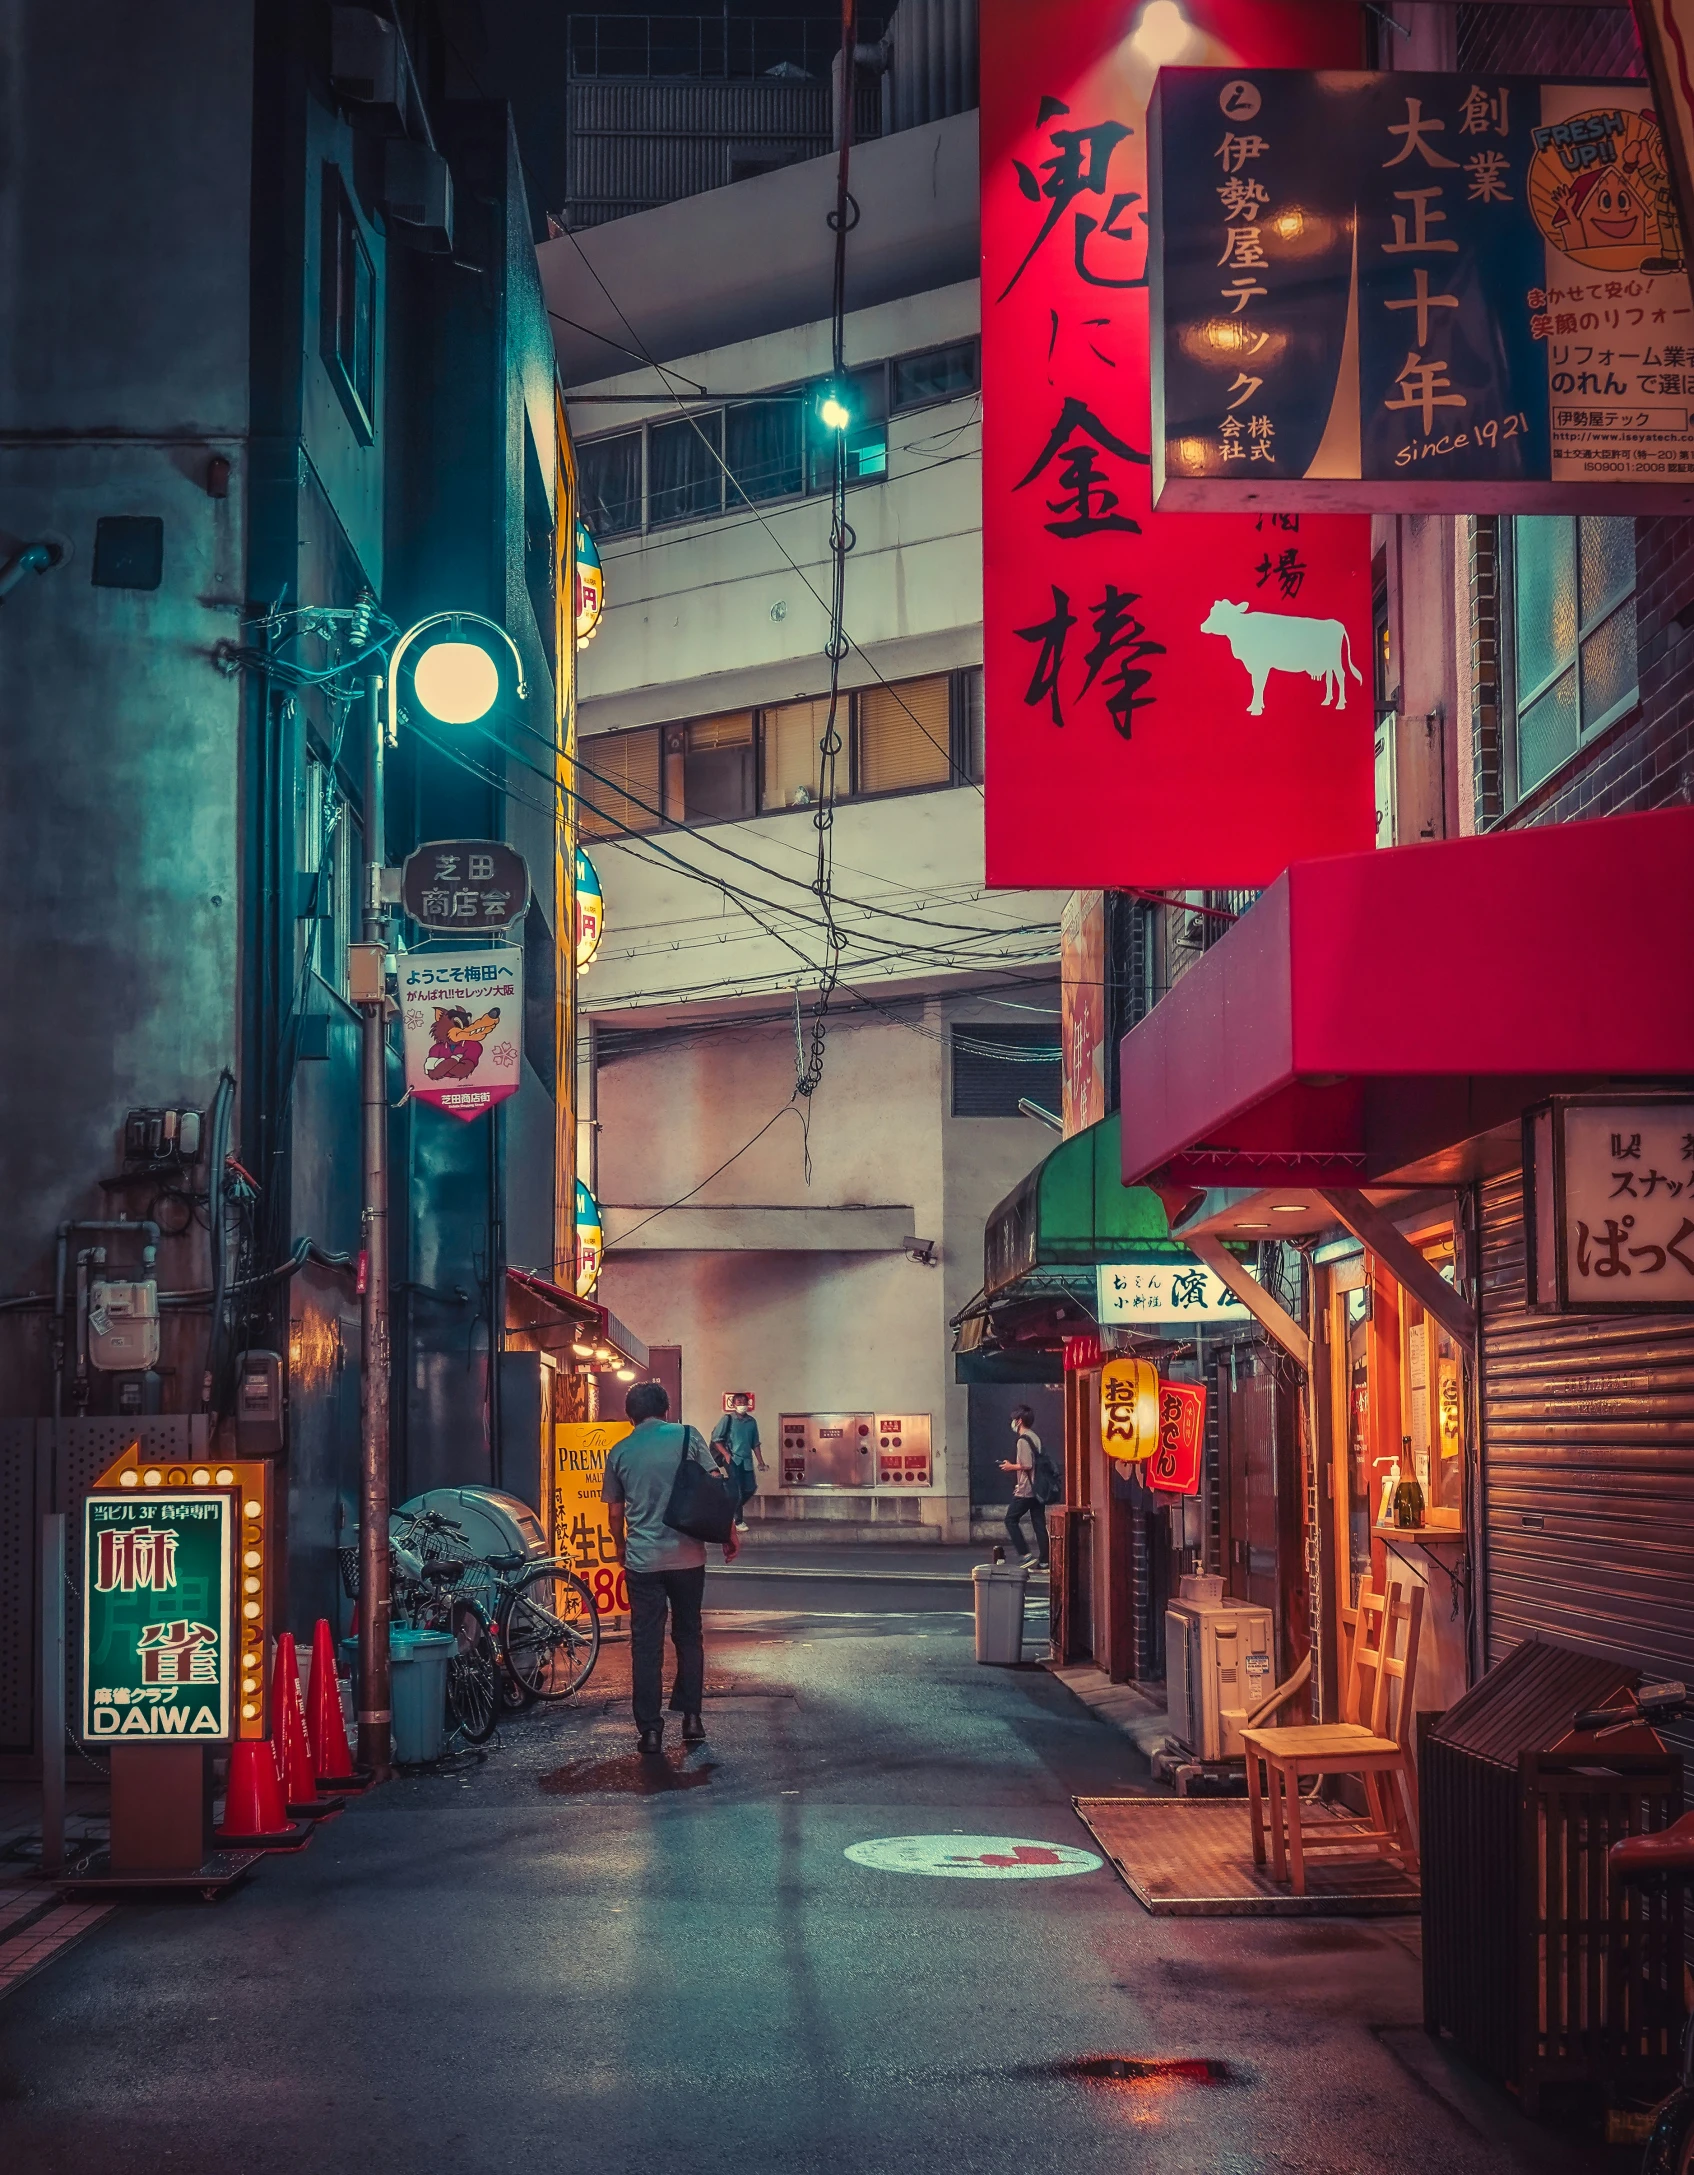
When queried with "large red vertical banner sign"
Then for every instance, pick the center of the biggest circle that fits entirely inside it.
(1173, 700)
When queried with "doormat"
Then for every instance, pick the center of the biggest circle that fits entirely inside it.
(1193, 1858)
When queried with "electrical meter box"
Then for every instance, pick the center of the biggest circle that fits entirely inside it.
(123, 1326)
(902, 1450)
(258, 1403)
(828, 1449)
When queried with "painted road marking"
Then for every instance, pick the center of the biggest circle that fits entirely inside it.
(973, 1857)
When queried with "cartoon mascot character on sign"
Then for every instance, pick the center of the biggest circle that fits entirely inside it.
(456, 1041)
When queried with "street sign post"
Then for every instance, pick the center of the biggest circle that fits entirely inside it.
(465, 885)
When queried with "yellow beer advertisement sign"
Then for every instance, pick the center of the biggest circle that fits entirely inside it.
(1129, 1409)
(580, 1521)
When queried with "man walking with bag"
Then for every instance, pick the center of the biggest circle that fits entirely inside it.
(665, 1562)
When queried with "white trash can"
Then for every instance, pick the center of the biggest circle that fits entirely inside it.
(998, 1591)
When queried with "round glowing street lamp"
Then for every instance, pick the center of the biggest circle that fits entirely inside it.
(457, 682)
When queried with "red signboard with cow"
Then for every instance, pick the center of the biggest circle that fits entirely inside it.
(1173, 700)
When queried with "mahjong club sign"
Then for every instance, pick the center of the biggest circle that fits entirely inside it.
(158, 1615)
(1173, 700)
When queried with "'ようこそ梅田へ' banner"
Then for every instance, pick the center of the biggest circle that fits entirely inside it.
(1172, 700)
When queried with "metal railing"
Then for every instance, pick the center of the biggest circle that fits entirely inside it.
(699, 46)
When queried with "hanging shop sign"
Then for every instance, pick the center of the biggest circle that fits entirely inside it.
(1138, 735)
(590, 1241)
(1175, 1464)
(1131, 1292)
(590, 910)
(1082, 1011)
(1129, 1409)
(581, 1522)
(1405, 292)
(157, 1614)
(1609, 1204)
(590, 586)
(465, 885)
(462, 1013)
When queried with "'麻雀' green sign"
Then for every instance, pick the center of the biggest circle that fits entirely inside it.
(157, 1615)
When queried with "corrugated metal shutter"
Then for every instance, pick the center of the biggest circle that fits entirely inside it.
(1588, 1467)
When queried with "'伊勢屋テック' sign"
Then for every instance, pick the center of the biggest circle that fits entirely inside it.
(1437, 292)
(157, 1615)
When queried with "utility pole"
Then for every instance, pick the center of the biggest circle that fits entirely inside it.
(374, 1703)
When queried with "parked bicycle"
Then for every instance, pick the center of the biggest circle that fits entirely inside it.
(544, 1617)
(1643, 1861)
(426, 1593)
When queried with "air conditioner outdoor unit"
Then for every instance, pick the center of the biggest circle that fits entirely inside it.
(1218, 1668)
(366, 60)
(418, 193)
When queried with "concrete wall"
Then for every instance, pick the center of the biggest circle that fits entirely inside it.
(815, 1330)
(122, 374)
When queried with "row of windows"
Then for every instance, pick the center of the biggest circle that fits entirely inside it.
(894, 739)
(995, 1068)
(714, 460)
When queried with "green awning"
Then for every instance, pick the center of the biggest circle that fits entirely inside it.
(1074, 1209)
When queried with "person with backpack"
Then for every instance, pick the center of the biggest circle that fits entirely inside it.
(665, 1565)
(1036, 1485)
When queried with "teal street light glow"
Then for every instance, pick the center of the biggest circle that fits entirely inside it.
(833, 411)
(456, 682)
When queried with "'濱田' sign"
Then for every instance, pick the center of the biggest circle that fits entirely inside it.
(1171, 702)
(462, 1013)
(156, 1615)
(1164, 1291)
(1434, 292)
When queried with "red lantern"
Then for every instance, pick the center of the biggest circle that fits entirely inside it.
(1174, 1466)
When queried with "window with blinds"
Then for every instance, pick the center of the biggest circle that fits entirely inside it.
(905, 735)
(791, 760)
(709, 769)
(619, 783)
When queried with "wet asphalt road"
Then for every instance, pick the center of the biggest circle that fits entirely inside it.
(563, 1958)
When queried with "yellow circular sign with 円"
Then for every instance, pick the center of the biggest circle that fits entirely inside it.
(1129, 1409)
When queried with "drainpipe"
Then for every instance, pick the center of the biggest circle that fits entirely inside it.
(36, 558)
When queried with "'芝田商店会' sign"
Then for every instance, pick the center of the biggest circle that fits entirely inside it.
(1170, 702)
(1416, 292)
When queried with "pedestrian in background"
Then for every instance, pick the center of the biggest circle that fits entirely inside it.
(1027, 1500)
(666, 1570)
(737, 1434)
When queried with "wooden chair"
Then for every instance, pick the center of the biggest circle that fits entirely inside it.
(1372, 1741)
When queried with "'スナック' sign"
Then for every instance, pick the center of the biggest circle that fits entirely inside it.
(1172, 700)
(156, 1615)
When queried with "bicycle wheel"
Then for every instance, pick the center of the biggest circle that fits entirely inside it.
(473, 1692)
(550, 1629)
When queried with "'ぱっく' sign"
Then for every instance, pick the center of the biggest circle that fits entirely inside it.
(462, 1013)
(1610, 1201)
(157, 1613)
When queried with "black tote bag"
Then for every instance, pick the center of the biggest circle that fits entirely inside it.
(702, 1504)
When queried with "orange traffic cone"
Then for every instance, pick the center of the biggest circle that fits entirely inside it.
(255, 1817)
(293, 1756)
(326, 1731)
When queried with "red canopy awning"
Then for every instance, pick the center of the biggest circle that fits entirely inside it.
(1377, 1008)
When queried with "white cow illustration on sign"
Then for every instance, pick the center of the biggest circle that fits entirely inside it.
(1267, 642)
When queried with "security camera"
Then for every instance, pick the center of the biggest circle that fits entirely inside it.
(924, 1250)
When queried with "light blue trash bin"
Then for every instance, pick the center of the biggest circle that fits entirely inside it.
(417, 1662)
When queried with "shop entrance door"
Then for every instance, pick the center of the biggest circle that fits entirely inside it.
(1260, 1509)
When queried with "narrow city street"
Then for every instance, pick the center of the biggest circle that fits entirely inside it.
(562, 1957)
